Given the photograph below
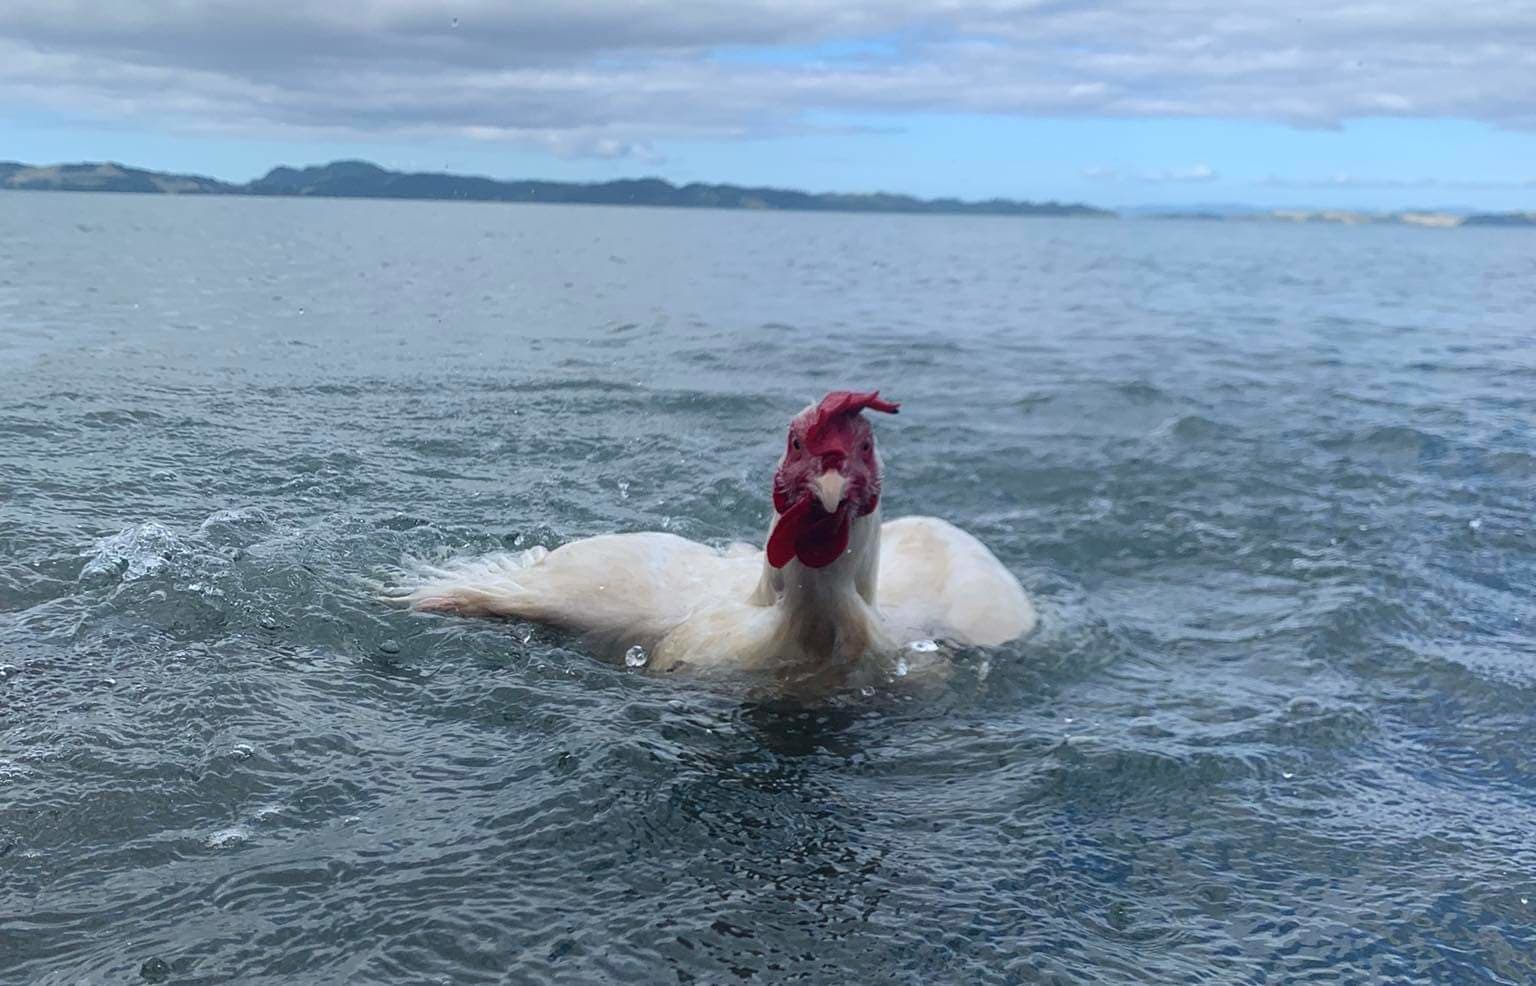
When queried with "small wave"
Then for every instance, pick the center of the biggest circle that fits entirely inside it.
(1390, 442)
(1141, 392)
(1512, 463)
(28, 428)
(1193, 428)
(236, 526)
(121, 417)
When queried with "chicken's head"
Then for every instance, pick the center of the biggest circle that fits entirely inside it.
(829, 476)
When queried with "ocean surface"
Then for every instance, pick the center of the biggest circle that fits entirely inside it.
(1271, 487)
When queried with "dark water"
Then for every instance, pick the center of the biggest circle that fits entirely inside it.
(1272, 488)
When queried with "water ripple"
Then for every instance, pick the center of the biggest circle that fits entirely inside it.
(1272, 727)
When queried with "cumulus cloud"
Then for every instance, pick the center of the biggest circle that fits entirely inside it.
(611, 77)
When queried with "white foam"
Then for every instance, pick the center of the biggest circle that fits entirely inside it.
(132, 553)
(227, 838)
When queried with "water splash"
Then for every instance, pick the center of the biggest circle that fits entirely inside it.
(227, 838)
(636, 657)
(133, 553)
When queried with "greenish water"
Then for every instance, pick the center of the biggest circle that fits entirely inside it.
(1271, 488)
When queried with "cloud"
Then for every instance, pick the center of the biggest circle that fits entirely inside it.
(1345, 180)
(1192, 173)
(612, 77)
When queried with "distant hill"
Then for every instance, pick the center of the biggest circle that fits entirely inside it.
(1214, 217)
(106, 177)
(1221, 210)
(359, 179)
(1431, 218)
(1501, 219)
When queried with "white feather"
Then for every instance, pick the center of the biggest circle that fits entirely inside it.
(689, 604)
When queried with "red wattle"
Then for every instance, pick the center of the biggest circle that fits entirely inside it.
(781, 543)
(809, 533)
(824, 539)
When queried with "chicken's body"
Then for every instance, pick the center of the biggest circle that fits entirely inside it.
(813, 614)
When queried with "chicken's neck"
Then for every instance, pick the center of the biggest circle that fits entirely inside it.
(828, 614)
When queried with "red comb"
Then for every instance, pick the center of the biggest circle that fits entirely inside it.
(844, 402)
(847, 402)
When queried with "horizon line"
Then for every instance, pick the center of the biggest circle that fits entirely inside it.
(947, 204)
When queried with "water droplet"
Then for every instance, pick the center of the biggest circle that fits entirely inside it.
(867, 691)
(1287, 774)
(1476, 523)
(636, 657)
(242, 751)
(454, 23)
(901, 667)
(6, 670)
(983, 669)
(155, 970)
(1525, 900)
(923, 646)
(390, 646)
(623, 489)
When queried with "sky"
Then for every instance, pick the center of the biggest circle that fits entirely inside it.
(1380, 104)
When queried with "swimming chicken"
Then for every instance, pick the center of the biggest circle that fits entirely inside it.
(833, 590)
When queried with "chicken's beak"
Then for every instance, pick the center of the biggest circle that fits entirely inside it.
(828, 488)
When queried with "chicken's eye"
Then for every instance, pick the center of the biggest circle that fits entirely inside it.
(794, 443)
(866, 446)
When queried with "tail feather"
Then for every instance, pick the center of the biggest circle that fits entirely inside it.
(485, 585)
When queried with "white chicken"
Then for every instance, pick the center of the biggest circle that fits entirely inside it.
(833, 590)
